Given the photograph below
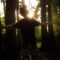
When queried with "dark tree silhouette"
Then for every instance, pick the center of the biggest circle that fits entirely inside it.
(59, 4)
(10, 37)
(0, 38)
(43, 21)
(51, 40)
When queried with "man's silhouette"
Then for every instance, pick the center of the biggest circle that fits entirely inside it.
(27, 27)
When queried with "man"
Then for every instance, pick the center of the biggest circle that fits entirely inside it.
(27, 28)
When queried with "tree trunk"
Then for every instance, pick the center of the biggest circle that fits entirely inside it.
(10, 37)
(43, 26)
(59, 5)
(51, 40)
(0, 38)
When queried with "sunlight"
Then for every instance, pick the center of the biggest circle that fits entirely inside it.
(34, 2)
(29, 4)
(32, 6)
(1, 7)
(31, 14)
(1, 10)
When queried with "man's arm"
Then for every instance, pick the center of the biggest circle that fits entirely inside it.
(7, 26)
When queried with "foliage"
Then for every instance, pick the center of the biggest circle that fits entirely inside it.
(38, 36)
(2, 0)
(38, 32)
(55, 16)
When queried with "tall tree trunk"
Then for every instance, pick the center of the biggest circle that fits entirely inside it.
(58, 24)
(10, 40)
(0, 38)
(43, 26)
(51, 40)
(59, 5)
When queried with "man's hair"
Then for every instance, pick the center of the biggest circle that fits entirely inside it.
(23, 10)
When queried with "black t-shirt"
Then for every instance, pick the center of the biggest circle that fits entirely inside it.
(27, 27)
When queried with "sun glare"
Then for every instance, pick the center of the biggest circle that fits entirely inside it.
(30, 15)
(34, 2)
(1, 10)
(29, 4)
(1, 7)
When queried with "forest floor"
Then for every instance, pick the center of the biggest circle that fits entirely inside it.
(45, 56)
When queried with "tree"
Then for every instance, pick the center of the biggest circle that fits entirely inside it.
(43, 21)
(51, 39)
(59, 4)
(10, 40)
(0, 38)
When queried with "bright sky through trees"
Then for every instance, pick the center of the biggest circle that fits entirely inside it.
(1, 10)
(30, 4)
(1, 7)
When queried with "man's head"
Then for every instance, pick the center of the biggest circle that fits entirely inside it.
(24, 11)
